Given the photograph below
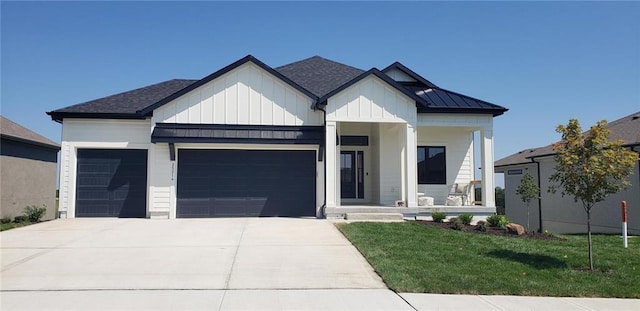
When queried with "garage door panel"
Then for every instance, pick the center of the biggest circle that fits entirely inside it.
(111, 183)
(248, 182)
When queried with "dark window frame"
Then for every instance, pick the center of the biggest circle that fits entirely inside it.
(428, 174)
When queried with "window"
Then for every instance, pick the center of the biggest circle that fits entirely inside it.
(432, 165)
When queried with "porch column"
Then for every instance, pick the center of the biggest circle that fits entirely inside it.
(411, 166)
(488, 181)
(332, 164)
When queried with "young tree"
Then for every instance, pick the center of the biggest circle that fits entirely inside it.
(528, 190)
(589, 167)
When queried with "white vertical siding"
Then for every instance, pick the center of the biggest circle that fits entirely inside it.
(162, 181)
(95, 134)
(245, 95)
(459, 154)
(391, 164)
(371, 100)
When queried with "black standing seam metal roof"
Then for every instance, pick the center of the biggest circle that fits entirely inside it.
(316, 77)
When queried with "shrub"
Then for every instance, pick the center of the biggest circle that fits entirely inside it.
(465, 218)
(496, 220)
(5, 220)
(455, 223)
(34, 213)
(481, 226)
(438, 216)
(19, 219)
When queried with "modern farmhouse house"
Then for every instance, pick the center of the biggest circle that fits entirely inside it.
(311, 138)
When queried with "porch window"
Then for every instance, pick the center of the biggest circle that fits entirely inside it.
(432, 165)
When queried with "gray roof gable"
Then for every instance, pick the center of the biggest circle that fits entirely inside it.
(14, 131)
(319, 75)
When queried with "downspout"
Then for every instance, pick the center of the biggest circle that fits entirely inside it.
(324, 160)
(539, 196)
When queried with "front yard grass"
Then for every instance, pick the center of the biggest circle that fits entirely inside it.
(11, 225)
(415, 258)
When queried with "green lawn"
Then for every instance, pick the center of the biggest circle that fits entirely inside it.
(12, 225)
(416, 258)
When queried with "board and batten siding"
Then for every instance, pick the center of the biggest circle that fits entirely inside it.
(371, 100)
(399, 75)
(458, 145)
(95, 134)
(246, 95)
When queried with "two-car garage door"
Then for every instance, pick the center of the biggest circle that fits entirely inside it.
(231, 183)
(211, 183)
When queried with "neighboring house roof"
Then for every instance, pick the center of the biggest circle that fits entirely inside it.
(316, 77)
(16, 132)
(319, 75)
(627, 129)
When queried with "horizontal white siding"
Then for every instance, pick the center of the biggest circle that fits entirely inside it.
(245, 95)
(459, 158)
(95, 134)
(161, 181)
(371, 100)
(457, 120)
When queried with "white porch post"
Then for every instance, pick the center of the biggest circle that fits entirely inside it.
(488, 181)
(410, 167)
(332, 164)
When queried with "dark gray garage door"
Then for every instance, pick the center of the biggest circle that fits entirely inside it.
(111, 183)
(231, 183)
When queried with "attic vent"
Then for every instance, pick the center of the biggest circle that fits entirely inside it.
(635, 117)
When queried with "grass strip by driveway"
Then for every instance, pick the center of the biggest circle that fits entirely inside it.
(415, 258)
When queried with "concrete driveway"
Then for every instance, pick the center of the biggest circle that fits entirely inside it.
(234, 263)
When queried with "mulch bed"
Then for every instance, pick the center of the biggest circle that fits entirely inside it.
(491, 231)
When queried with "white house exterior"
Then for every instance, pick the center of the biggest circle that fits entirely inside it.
(311, 138)
(562, 214)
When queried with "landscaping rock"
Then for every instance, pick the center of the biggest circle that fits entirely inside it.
(515, 229)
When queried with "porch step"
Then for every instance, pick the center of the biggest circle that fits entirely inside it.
(373, 216)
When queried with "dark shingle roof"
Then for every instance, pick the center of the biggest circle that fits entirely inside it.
(627, 129)
(129, 102)
(15, 131)
(318, 75)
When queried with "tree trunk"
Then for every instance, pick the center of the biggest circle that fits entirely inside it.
(589, 239)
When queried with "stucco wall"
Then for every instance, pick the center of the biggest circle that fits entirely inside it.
(562, 214)
(26, 181)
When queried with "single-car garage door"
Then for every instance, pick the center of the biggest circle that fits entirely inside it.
(232, 183)
(111, 183)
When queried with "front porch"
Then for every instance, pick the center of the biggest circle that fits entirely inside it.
(478, 212)
(392, 167)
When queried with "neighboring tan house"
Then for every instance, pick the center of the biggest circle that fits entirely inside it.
(312, 138)
(28, 164)
(562, 214)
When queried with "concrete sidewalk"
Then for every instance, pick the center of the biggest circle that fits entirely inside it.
(295, 299)
(215, 264)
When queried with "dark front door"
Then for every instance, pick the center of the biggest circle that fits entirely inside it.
(235, 183)
(111, 183)
(352, 174)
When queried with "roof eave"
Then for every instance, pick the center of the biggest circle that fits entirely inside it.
(30, 142)
(493, 111)
(58, 116)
